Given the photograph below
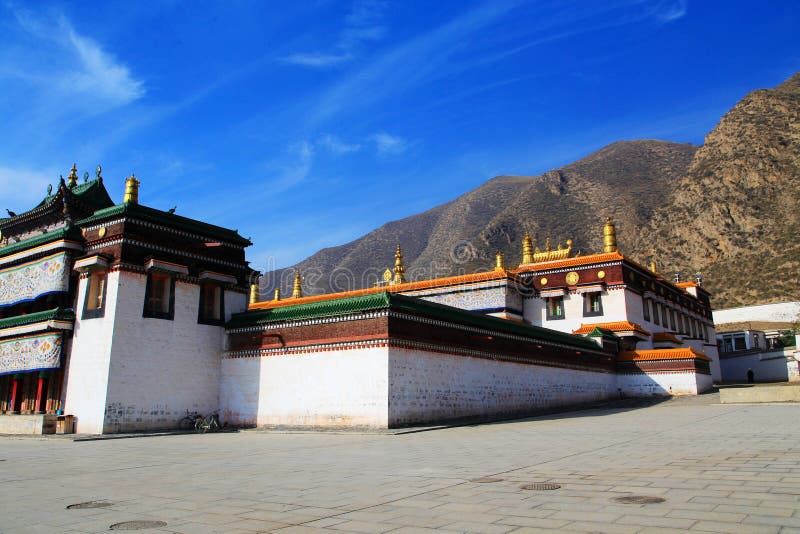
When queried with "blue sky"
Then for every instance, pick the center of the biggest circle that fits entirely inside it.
(306, 124)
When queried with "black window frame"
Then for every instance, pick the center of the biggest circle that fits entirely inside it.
(147, 310)
(551, 317)
(587, 312)
(100, 311)
(646, 309)
(201, 318)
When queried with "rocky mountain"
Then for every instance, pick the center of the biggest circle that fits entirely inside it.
(728, 209)
(735, 216)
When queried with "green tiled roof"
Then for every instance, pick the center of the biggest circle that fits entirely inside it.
(68, 232)
(167, 219)
(602, 332)
(38, 317)
(92, 193)
(397, 302)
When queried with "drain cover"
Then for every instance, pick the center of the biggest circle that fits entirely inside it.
(540, 486)
(138, 525)
(639, 499)
(486, 480)
(89, 504)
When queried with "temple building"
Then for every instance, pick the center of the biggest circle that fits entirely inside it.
(127, 317)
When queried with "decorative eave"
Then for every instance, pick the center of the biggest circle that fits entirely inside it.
(92, 263)
(666, 337)
(623, 328)
(133, 211)
(68, 238)
(396, 303)
(165, 266)
(686, 353)
(56, 319)
(217, 277)
(577, 261)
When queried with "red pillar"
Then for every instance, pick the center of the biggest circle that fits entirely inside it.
(39, 388)
(16, 395)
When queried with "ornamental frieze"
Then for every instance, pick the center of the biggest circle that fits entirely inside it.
(32, 353)
(27, 281)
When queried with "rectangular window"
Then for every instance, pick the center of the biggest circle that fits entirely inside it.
(655, 314)
(159, 299)
(592, 304)
(646, 309)
(211, 304)
(672, 324)
(555, 308)
(94, 302)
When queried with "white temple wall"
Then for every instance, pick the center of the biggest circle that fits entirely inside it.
(663, 384)
(160, 368)
(767, 367)
(87, 375)
(429, 387)
(327, 388)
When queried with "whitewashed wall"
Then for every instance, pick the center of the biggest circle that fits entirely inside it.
(663, 384)
(337, 388)
(87, 374)
(766, 366)
(778, 312)
(430, 387)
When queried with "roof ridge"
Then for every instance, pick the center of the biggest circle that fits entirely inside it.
(63, 233)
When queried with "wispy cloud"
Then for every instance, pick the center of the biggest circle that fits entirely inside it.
(387, 144)
(290, 170)
(362, 25)
(671, 10)
(337, 146)
(56, 56)
(20, 189)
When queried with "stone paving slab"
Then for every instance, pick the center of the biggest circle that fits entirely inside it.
(719, 468)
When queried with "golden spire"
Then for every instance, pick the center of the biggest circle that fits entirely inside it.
(253, 293)
(609, 236)
(131, 190)
(73, 175)
(399, 269)
(653, 267)
(298, 287)
(277, 294)
(527, 249)
(499, 262)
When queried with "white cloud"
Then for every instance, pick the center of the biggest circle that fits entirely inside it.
(387, 144)
(672, 10)
(362, 25)
(290, 171)
(21, 189)
(337, 146)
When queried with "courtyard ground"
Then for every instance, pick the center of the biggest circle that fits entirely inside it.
(717, 468)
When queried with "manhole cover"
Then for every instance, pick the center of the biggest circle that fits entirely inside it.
(540, 486)
(639, 499)
(89, 504)
(138, 525)
(486, 480)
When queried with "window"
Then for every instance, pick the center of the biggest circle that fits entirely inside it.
(646, 309)
(672, 323)
(94, 302)
(555, 308)
(159, 296)
(212, 309)
(655, 314)
(592, 304)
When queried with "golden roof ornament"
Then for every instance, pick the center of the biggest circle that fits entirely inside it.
(73, 176)
(653, 267)
(561, 252)
(253, 293)
(297, 292)
(609, 236)
(499, 262)
(277, 295)
(527, 249)
(399, 269)
(131, 190)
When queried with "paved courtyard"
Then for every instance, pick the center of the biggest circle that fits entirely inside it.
(719, 468)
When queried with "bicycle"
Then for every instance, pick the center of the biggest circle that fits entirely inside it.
(189, 420)
(207, 424)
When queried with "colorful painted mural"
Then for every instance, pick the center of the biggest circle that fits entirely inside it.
(30, 353)
(30, 280)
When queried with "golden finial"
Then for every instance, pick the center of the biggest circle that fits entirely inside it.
(499, 262)
(73, 175)
(609, 236)
(527, 249)
(547, 247)
(399, 269)
(653, 267)
(253, 293)
(298, 287)
(277, 294)
(131, 190)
